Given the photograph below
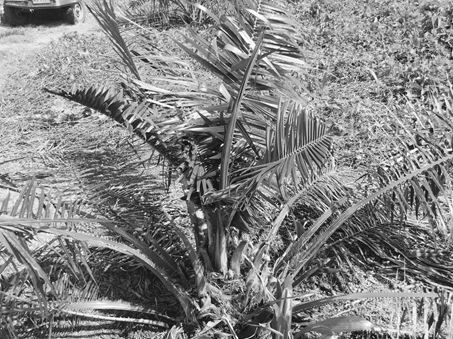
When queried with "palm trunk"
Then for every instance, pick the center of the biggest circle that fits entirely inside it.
(221, 260)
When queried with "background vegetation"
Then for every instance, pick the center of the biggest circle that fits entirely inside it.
(268, 170)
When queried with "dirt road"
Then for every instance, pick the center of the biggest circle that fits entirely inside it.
(19, 43)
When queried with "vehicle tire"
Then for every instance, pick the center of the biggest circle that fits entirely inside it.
(76, 13)
(15, 16)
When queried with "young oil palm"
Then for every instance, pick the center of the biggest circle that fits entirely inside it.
(248, 149)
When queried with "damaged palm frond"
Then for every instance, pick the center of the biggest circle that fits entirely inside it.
(104, 13)
(137, 118)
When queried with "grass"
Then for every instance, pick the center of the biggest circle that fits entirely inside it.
(12, 32)
(53, 135)
(372, 64)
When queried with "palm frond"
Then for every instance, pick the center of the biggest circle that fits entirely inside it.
(200, 280)
(20, 243)
(161, 15)
(427, 144)
(354, 296)
(135, 117)
(104, 13)
(229, 55)
(297, 152)
(389, 248)
(414, 182)
(78, 308)
(235, 112)
(227, 59)
(33, 217)
(185, 300)
(314, 248)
